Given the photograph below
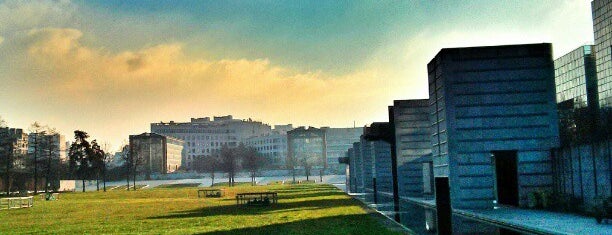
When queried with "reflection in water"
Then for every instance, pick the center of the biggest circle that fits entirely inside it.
(422, 220)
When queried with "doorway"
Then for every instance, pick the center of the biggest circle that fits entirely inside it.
(506, 177)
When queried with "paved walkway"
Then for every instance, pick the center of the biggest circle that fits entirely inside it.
(536, 221)
(539, 221)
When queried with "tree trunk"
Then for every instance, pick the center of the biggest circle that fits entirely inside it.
(35, 172)
(83, 185)
(127, 176)
(134, 180)
(98, 182)
(104, 177)
(7, 177)
(213, 179)
(48, 173)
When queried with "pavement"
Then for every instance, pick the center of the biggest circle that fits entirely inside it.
(532, 221)
(538, 221)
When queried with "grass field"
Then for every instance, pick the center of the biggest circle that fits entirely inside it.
(302, 209)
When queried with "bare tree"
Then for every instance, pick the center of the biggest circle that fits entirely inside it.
(207, 164)
(252, 161)
(37, 132)
(229, 162)
(107, 158)
(127, 162)
(308, 161)
(137, 161)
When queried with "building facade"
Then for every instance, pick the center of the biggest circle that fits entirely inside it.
(204, 137)
(338, 140)
(376, 142)
(307, 149)
(159, 154)
(494, 120)
(45, 143)
(273, 147)
(18, 141)
(413, 148)
(602, 27)
(576, 78)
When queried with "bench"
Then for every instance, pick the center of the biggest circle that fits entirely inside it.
(16, 202)
(210, 193)
(257, 199)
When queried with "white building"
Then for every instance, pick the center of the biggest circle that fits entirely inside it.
(273, 146)
(204, 137)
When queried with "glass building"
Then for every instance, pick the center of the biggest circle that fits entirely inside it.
(575, 78)
(602, 26)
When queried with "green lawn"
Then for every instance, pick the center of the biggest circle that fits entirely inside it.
(302, 209)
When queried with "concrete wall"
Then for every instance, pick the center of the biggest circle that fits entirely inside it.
(368, 165)
(486, 99)
(382, 163)
(358, 176)
(583, 171)
(413, 145)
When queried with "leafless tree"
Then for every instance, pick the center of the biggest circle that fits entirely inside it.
(106, 159)
(252, 161)
(229, 162)
(38, 132)
(207, 164)
(127, 162)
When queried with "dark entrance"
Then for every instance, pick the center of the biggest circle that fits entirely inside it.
(443, 206)
(506, 173)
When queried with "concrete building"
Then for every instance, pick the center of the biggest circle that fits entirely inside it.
(19, 146)
(494, 123)
(377, 151)
(273, 147)
(160, 154)
(413, 147)
(357, 162)
(204, 137)
(338, 140)
(602, 27)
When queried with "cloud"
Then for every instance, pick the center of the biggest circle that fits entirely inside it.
(18, 15)
(161, 82)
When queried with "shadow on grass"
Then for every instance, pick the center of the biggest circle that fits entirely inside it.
(341, 224)
(234, 209)
(187, 185)
(307, 195)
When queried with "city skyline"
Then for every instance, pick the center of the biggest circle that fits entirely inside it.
(112, 68)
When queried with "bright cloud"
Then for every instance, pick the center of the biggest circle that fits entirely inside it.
(161, 82)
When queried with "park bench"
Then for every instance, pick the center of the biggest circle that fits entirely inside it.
(210, 193)
(16, 202)
(257, 199)
(49, 196)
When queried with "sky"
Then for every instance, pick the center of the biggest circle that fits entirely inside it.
(111, 68)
